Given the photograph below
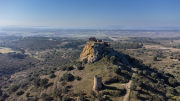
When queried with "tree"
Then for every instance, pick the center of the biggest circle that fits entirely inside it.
(18, 93)
(178, 99)
(136, 94)
(133, 86)
(117, 70)
(144, 72)
(107, 57)
(139, 83)
(112, 59)
(63, 83)
(154, 58)
(84, 61)
(52, 75)
(1, 92)
(172, 81)
(44, 81)
(68, 76)
(178, 89)
(27, 94)
(153, 75)
(140, 72)
(65, 98)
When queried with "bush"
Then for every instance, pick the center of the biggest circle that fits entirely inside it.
(69, 68)
(84, 61)
(44, 81)
(77, 78)
(99, 96)
(68, 76)
(154, 58)
(140, 72)
(117, 70)
(112, 59)
(63, 83)
(93, 93)
(178, 89)
(178, 99)
(133, 86)
(18, 93)
(136, 94)
(81, 98)
(153, 75)
(144, 72)
(61, 79)
(14, 88)
(64, 90)
(65, 98)
(172, 81)
(57, 92)
(27, 94)
(52, 75)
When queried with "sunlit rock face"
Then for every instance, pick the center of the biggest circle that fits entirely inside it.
(92, 51)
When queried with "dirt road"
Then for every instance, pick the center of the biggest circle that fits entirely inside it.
(128, 85)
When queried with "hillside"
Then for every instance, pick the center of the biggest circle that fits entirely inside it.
(124, 77)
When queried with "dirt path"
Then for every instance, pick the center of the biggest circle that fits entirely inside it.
(128, 85)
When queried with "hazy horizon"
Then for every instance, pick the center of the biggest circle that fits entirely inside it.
(91, 14)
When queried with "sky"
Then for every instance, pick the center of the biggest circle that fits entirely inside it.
(90, 13)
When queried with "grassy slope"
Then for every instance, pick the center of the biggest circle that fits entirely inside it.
(85, 84)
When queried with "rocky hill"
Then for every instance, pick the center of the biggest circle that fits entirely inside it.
(95, 50)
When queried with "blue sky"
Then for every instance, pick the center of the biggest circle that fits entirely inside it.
(90, 13)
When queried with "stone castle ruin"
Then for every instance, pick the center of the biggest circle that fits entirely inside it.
(94, 50)
(97, 83)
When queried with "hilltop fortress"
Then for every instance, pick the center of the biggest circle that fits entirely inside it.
(94, 50)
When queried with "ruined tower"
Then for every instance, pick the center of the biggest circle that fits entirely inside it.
(97, 82)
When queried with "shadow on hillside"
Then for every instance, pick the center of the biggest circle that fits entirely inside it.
(152, 89)
(48, 85)
(110, 88)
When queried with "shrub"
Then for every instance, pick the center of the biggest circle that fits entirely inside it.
(92, 99)
(144, 72)
(154, 58)
(14, 88)
(69, 68)
(63, 83)
(61, 79)
(172, 81)
(63, 68)
(140, 72)
(68, 76)
(112, 59)
(99, 96)
(77, 78)
(133, 86)
(81, 98)
(27, 94)
(64, 90)
(84, 61)
(153, 75)
(18, 93)
(52, 75)
(117, 70)
(65, 98)
(44, 81)
(178, 99)
(107, 57)
(93, 93)
(79, 66)
(178, 89)
(57, 92)
(136, 94)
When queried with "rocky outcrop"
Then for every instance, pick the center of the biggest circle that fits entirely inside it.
(92, 51)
